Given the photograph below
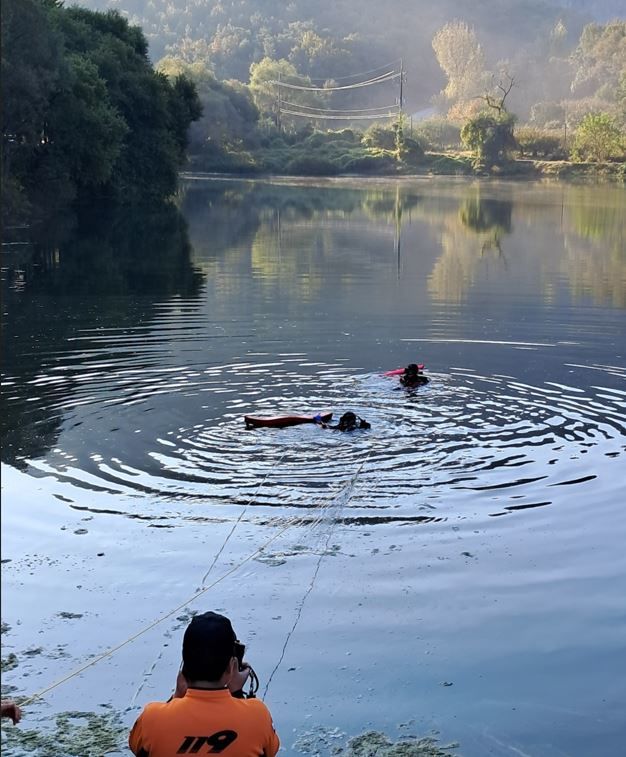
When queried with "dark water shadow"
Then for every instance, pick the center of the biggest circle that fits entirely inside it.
(77, 272)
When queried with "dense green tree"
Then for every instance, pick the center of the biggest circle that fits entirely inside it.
(598, 138)
(84, 134)
(31, 63)
(490, 137)
(229, 121)
(156, 112)
(266, 92)
(381, 137)
(86, 115)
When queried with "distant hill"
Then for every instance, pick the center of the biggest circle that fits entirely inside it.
(337, 38)
(598, 10)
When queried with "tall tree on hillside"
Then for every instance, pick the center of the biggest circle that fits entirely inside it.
(156, 114)
(600, 60)
(267, 94)
(229, 117)
(461, 57)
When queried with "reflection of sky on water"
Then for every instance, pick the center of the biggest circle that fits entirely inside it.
(473, 536)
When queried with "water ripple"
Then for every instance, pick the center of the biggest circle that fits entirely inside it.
(465, 444)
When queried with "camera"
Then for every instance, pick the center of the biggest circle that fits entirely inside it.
(239, 651)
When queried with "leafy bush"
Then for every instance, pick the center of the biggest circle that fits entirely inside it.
(379, 136)
(445, 164)
(316, 139)
(490, 137)
(330, 139)
(598, 138)
(412, 152)
(278, 143)
(348, 135)
(437, 134)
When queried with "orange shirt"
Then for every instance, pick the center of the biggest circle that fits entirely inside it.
(205, 722)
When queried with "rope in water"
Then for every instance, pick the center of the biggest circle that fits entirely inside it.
(215, 559)
(309, 589)
(150, 626)
(112, 650)
(238, 521)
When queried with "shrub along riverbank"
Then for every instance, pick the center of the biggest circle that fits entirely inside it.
(381, 152)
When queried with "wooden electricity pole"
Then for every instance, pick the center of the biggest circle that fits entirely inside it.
(278, 104)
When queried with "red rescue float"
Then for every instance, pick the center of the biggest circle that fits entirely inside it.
(400, 371)
(282, 421)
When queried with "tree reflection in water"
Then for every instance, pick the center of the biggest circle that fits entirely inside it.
(76, 276)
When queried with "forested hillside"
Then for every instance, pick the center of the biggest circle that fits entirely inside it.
(599, 10)
(99, 104)
(333, 38)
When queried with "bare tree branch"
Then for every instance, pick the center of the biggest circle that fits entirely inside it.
(505, 85)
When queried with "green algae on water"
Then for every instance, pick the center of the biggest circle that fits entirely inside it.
(321, 742)
(76, 734)
(8, 663)
(376, 744)
(33, 652)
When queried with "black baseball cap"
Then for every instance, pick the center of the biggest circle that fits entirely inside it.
(208, 646)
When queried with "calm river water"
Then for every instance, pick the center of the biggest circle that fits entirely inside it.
(459, 570)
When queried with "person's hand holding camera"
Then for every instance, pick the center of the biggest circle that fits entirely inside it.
(239, 678)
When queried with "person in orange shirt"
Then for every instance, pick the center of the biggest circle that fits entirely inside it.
(209, 712)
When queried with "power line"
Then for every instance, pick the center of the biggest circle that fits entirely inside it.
(360, 73)
(321, 116)
(318, 112)
(301, 106)
(376, 80)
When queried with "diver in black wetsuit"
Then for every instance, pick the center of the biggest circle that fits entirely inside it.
(348, 422)
(413, 377)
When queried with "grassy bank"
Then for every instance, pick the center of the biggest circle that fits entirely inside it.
(380, 153)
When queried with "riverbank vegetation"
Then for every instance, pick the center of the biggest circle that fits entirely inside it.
(556, 108)
(247, 89)
(85, 116)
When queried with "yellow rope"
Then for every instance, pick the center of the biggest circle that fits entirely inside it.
(156, 622)
(169, 614)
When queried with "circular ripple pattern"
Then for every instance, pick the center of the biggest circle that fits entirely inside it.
(463, 445)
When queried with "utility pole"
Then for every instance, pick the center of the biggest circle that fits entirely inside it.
(278, 104)
(399, 124)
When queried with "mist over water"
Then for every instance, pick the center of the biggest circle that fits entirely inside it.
(476, 529)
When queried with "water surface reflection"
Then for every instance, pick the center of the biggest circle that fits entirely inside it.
(476, 525)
